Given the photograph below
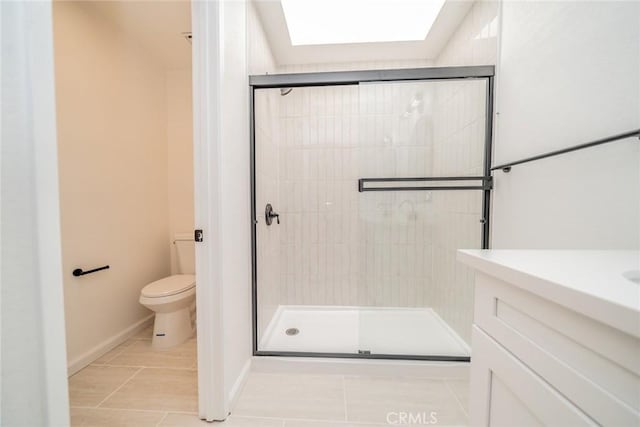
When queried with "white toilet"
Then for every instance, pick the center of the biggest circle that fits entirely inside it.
(173, 299)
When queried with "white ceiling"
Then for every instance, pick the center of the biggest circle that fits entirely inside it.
(275, 26)
(157, 26)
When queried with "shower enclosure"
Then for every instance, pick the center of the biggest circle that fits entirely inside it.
(364, 185)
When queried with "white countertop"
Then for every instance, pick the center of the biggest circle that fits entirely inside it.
(589, 282)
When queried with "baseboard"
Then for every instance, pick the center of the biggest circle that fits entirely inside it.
(234, 394)
(107, 345)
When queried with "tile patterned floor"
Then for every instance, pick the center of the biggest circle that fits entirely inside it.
(136, 386)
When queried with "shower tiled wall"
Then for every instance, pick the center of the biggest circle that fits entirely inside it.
(339, 246)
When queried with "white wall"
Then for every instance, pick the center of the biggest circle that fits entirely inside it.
(260, 59)
(33, 383)
(568, 73)
(111, 103)
(234, 185)
(475, 40)
(179, 160)
(221, 165)
(356, 65)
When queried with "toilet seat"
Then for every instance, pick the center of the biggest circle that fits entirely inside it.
(168, 286)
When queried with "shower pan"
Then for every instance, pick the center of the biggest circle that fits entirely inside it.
(364, 185)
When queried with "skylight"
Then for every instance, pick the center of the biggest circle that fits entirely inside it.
(314, 22)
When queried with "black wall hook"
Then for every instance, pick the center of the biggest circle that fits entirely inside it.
(79, 272)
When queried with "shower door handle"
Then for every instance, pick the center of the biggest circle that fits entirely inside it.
(269, 214)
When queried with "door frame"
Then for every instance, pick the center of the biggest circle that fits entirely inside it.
(36, 384)
(337, 78)
(35, 20)
(207, 36)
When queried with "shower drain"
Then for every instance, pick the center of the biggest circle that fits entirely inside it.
(292, 331)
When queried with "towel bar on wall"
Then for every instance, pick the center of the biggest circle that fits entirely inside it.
(79, 272)
(507, 166)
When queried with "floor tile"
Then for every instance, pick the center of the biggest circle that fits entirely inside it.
(140, 353)
(93, 384)
(185, 420)
(301, 423)
(97, 417)
(300, 396)
(384, 400)
(234, 421)
(145, 334)
(158, 389)
(105, 358)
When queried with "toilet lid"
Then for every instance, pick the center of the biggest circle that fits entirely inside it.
(169, 286)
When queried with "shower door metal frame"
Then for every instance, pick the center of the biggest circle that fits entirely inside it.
(345, 78)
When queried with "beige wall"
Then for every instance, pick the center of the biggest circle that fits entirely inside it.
(180, 159)
(112, 139)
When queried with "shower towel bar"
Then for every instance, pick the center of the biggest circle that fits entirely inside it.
(486, 183)
(79, 272)
(507, 166)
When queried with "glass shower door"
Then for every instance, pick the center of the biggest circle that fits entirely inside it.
(420, 200)
(362, 195)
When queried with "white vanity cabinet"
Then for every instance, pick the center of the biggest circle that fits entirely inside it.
(556, 338)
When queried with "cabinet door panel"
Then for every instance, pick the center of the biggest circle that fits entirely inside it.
(497, 374)
(594, 365)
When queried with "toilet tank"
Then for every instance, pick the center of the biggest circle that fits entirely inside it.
(185, 249)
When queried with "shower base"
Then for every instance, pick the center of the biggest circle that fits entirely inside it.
(391, 331)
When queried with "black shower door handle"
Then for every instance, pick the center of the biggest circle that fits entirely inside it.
(269, 214)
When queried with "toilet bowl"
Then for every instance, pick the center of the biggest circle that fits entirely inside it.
(173, 300)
